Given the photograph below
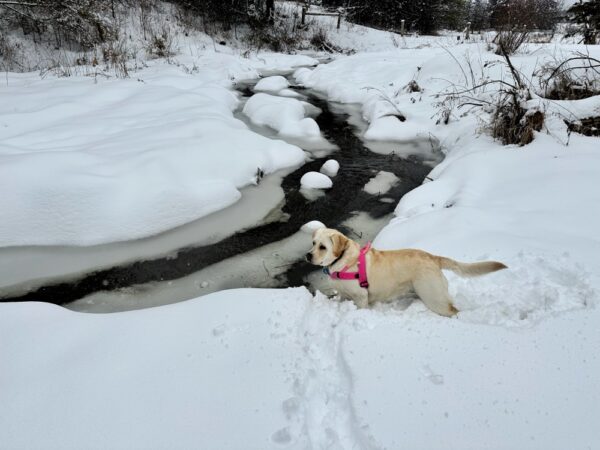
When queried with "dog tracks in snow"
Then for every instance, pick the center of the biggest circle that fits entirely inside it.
(321, 413)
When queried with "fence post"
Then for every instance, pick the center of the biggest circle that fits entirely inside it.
(402, 27)
(303, 14)
(468, 31)
(339, 18)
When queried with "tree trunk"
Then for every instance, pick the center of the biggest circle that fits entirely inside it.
(270, 11)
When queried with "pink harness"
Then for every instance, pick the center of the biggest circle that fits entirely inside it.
(361, 275)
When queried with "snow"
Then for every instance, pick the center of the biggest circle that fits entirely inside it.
(381, 183)
(315, 180)
(330, 168)
(311, 226)
(287, 368)
(171, 394)
(85, 163)
(517, 367)
(388, 128)
(35, 264)
(272, 84)
(285, 115)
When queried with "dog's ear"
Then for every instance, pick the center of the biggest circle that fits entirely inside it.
(340, 243)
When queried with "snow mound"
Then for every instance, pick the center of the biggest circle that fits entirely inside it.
(534, 287)
(381, 183)
(311, 226)
(289, 93)
(302, 74)
(389, 128)
(272, 84)
(128, 161)
(315, 180)
(285, 115)
(330, 168)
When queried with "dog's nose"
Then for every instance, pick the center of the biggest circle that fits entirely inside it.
(308, 256)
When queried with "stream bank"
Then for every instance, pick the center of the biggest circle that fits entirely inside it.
(345, 203)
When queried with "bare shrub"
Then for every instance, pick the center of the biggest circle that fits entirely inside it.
(413, 86)
(589, 126)
(513, 124)
(9, 53)
(279, 36)
(510, 120)
(572, 79)
(320, 41)
(189, 19)
(115, 56)
(79, 24)
(509, 41)
(540, 37)
(160, 43)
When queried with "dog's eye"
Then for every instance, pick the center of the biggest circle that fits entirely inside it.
(322, 247)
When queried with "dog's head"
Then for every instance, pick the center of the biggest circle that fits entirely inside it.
(328, 245)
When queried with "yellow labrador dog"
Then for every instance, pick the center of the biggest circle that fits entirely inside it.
(368, 276)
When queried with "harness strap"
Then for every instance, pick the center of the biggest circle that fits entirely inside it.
(361, 275)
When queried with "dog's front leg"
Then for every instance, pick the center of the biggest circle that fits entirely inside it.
(361, 299)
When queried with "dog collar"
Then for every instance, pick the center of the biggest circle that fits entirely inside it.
(360, 275)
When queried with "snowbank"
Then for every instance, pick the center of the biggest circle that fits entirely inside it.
(85, 163)
(533, 208)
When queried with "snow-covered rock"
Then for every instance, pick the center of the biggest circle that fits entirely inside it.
(272, 84)
(285, 115)
(330, 167)
(315, 180)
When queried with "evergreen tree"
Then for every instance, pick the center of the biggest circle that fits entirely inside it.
(524, 14)
(479, 15)
(424, 16)
(586, 14)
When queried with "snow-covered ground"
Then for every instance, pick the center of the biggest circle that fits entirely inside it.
(518, 368)
(123, 159)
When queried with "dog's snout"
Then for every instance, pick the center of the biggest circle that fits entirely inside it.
(309, 256)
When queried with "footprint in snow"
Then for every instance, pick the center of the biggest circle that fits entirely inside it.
(282, 436)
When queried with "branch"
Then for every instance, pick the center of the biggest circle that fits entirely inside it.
(485, 83)
(514, 72)
(6, 5)
(16, 3)
(575, 58)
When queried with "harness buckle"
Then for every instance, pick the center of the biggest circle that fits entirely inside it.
(364, 284)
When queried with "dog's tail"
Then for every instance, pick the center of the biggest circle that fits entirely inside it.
(470, 269)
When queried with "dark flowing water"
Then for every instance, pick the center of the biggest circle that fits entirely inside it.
(335, 207)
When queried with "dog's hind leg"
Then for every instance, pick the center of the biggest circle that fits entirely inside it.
(432, 288)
